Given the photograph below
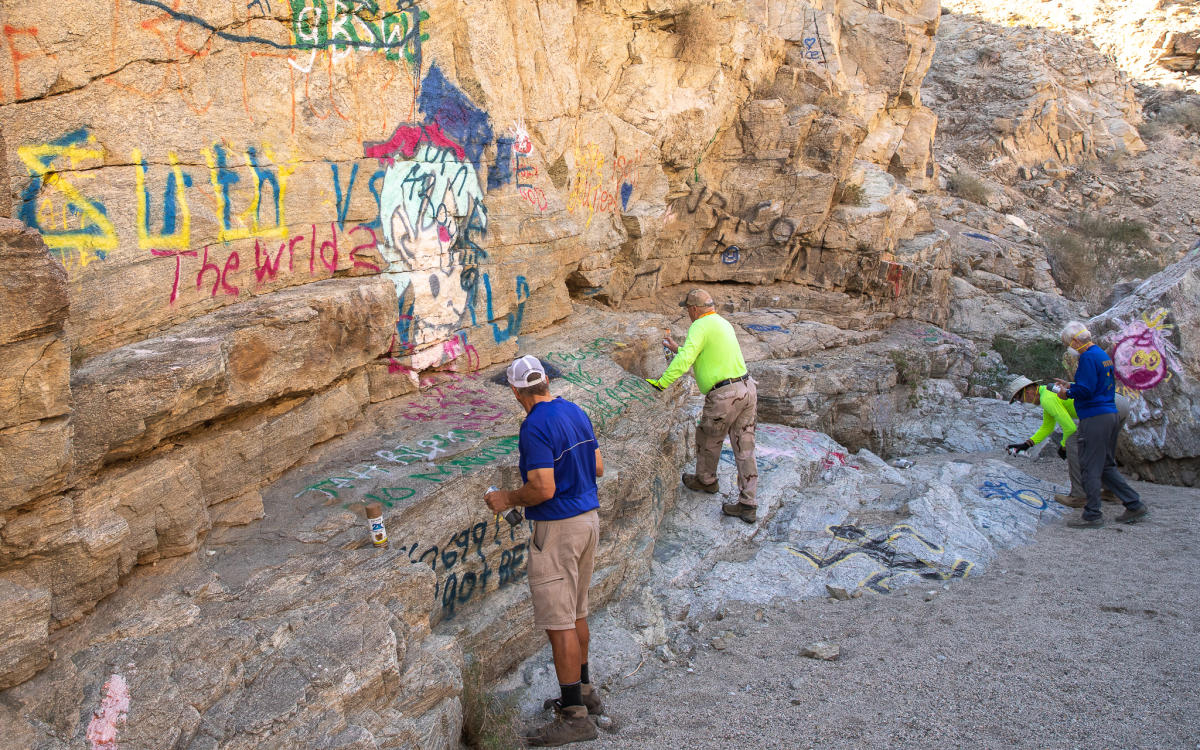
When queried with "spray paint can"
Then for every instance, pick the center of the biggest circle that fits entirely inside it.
(514, 516)
(375, 520)
(670, 355)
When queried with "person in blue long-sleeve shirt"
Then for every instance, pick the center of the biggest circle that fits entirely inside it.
(1093, 393)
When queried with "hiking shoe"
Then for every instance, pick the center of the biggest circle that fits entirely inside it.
(1070, 501)
(571, 724)
(1133, 516)
(1085, 523)
(748, 513)
(692, 482)
(591, 701)
(1109, 497)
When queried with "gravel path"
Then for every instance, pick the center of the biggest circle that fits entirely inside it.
(1087, 639)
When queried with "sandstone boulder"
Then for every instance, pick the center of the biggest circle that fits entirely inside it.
(1151, 335)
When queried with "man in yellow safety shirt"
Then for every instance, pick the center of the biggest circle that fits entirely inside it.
(712, 351)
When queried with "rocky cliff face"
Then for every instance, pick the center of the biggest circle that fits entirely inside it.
(1156, 41)
(259, 221)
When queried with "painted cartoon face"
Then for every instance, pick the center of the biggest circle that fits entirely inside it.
(424, 203)
(1138, 361)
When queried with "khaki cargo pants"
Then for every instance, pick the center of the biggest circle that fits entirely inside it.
(731, 410)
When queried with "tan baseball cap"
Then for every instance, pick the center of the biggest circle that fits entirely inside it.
(697, 298)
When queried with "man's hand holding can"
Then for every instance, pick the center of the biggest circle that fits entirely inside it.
(496, 499)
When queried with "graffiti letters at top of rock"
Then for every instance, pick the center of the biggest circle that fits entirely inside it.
(1144, 356)
(390, 27)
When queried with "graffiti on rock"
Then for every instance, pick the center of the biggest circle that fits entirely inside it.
(1144, 356)
(1013, 489)
(764, 328)
(57, 170)
(886, 549)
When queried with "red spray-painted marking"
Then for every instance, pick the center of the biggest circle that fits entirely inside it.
(102, 730)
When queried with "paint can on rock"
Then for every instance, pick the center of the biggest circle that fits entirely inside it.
(375, 520)
(514, 516)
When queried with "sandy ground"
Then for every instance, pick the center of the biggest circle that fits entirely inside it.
(1086, 639)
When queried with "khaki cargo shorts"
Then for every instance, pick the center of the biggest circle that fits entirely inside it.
(561, 557)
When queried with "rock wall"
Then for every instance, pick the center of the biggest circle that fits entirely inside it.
(1155, 41)
(1022, 97)
(258, 221)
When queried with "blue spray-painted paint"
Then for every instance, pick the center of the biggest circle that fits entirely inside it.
(626, 194)
(501, 171)
(171, 195)
(97, 230)
(444, 104)
(513, 320)
(265, 177)
(343, 202)
(226, 179)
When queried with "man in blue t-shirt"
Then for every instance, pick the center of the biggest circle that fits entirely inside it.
(1099, 425)
(560, 460)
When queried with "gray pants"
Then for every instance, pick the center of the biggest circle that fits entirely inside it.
(1098, 464)
(1073, 470)
(1073, 465)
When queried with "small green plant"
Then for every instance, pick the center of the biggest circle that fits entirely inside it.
(1036, 359)
(908, 371)
(969, 187)
(489, 722)
(854, 195)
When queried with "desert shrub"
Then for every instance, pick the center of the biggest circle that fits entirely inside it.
(489, 722)
(910, 370)
(989, 376)
(853, 195)
(1092, 253)
(1185, 113)
(700, 32)
(969, 187)
(1036, 359)
(986, 56)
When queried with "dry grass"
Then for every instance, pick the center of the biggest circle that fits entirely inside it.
(968, 186)
(700, 31)
(1092, 253)
(489, 722)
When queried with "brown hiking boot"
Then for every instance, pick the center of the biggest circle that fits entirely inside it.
(571, 724)
(1133, 516)
(1070, 501)
(1085, 523)
(748, 513)
(1108, 496)
(692, 482)
(591, 700)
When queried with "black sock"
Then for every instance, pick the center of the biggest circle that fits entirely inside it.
(583, 675)
(572, 695)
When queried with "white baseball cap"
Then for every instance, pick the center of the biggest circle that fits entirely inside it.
(525, 371)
